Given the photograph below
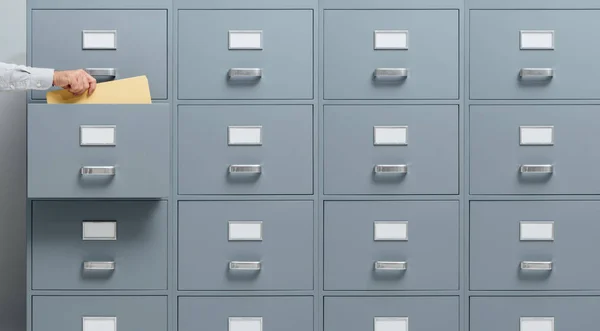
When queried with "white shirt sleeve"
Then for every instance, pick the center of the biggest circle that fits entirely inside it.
(15, 77)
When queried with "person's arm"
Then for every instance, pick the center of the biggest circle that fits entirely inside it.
(15, 77)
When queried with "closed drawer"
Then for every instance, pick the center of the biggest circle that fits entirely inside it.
(534, 245)
(391, 54)
(244, 313)
(391, 313)
(540, 54)
(534, 149)
(100, 313)
(246, 245)
(99, 245)
(391, 149)
(103, 39)
(245, 149)
(391, 245)
(534, 313)
(98, 151)
(245, 54)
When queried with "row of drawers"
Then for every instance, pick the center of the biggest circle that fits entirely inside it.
(98, 151)
(367, 54)
(270, 245)
(297, 313)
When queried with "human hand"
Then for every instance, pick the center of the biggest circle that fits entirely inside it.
(76, 81)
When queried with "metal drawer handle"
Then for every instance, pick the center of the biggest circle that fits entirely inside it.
(245, 265)
(391, 169)
(394, 73)
(252, 73)
(391, 265)
(98, 170)
(536, 265)
(245, 169)
(536, 73)
(111, 73)
(99, 265)
(536, 169)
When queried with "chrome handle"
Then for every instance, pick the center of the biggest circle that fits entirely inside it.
(99, 265)
(245, 169)
(536, 169)
(536, 73)
(393, 73)
(391, 265)
(252, 73)
(100, 73)
(98, 170)
(245, 265)
(536, 265)
(391, 169)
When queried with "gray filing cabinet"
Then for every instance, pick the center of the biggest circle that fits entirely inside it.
(317, 165)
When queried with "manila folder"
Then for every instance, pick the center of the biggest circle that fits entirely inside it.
(135, 90)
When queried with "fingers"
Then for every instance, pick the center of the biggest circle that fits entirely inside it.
(91, 81)
(76, 81)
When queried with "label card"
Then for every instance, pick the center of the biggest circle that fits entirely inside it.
(537, 40)
(390, 135)
(390, 231)
(99, 230)
(536, 231)
(97, 135)
(245, 230)
(245, 324)
(536, 135)
(245, 40)
(390, 324)
(99, 324)
(537, 324)
(244, 135)
(390, 39)
(99, 39)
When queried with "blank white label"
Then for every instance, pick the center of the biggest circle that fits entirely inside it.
(537, 324)
(537, 230)
(391, 39)
(97, 135)
(99, 230)
(99, 324)
(96, 39)
(245, 40)
(390, 135)
(390, 324)
(244, 135)
(245, 230)
(536, 135)
(245, 324)
(537, 39)
(391, 230)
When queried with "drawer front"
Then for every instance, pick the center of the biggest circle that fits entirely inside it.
(391, 245)
(391, 54)
(245, 149)
(99, 245)
(391, 313)
(534, 245)
(98, 151)
(244, 313)
(245, 54)
(246, 245)
(534, 313)
(540, 54)
(536, 149)
(99, 313)
(391, 149)
(103, 39)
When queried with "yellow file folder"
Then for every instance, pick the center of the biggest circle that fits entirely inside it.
(135, 90)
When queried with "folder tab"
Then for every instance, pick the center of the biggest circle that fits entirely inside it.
(134, 90)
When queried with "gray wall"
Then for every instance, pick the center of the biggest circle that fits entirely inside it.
(12, 173)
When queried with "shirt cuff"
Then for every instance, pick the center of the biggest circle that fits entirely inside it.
(41, 78)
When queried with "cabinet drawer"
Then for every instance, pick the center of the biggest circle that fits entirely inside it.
(98, 151)
(391, 54)
(534, 54)
(100, 313)
(391, 149)
(391, 313)
(534, 313)
(534, 149)
(391, 245)
(534, 245)
(246, 245)
(244, 313)
(245, 54)
(99, 245)
(103, 39)
(245, 149)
